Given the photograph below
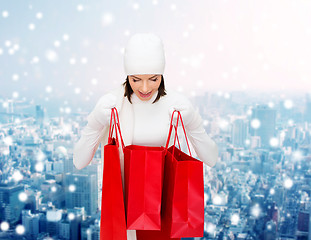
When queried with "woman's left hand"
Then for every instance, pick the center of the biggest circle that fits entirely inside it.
(186, 110)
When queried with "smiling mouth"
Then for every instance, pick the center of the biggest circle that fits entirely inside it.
(145, 95)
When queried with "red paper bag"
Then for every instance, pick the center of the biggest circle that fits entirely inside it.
(154, 235)
(143, 173)
(183, 192)
(112, 224)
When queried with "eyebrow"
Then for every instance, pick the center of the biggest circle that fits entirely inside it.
(140, 78)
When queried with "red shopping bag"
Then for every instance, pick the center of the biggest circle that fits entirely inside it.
(143, 174)
(183, 191)
(112, 224)
(154, 235)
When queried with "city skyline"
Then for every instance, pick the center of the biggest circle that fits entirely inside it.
(259, 189)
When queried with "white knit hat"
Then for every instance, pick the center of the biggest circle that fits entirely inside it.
(144, 54)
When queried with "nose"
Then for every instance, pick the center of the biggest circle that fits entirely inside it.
(145, 87)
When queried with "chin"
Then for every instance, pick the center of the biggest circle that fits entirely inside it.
(145, 99)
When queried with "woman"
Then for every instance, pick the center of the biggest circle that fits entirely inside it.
(144, 107)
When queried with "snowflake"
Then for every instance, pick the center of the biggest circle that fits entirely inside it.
(31, 26)
(67, 110)
(72, 61)
(288, 183)
(22, 196)
(173, 7)
(8, 141)
(39, 15)
(16, 47)
(211, 228)
(48, 89)
(256, 210)
(80, 7)
(235, 218)
(20, 229)
(17, 176)
(72, 187)
(35, 60)
(39, 167)
(271, 104)
(71, 216)
(255, 123)
(65, 37)
(107, 19)
(51, 55)
(94, 81)
(288, 104)
(84, 60)
(56, 43)
(4, 226)
(5, 14)
(135, 6)
(274, 142)
(217, 200)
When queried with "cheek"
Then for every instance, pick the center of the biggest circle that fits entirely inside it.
(132, 86)
(158, 84)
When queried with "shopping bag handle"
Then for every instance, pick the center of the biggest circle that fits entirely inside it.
(176, 136)
(116, 125)
(170, 131)
(119, 128)
(112, 126)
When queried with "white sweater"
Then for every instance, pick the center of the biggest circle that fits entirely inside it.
(147, 124)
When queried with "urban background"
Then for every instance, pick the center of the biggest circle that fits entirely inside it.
(259, 189)
(244, 64)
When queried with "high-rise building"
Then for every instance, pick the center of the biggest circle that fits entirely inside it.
(303, 224)
(53, 217)
(31, 223)
(267, 119)
(39, 114)
(64, 229)
(239, 132)
(307, 113)
(270, 230)
(82, 191)
(10, 205)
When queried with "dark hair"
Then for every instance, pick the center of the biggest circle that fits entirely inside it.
(129, 91)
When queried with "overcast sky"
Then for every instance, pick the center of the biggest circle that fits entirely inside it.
(73, 50)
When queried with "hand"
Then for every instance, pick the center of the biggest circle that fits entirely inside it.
(186, 111)
(101, 114)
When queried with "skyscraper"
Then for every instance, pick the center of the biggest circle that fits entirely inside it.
(81, 191)
(10, 205)
(307, 113)
(239, 132)
(267, 119)
(39, 114)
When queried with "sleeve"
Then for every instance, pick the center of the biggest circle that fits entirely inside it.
(205, 148)
(91, 136)
(87, 145)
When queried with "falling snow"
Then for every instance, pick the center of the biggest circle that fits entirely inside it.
(56, 69)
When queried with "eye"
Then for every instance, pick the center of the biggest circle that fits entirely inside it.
(155, 79)
(135, 80)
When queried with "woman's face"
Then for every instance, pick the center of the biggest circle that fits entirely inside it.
(144, 86)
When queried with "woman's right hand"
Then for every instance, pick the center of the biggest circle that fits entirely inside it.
(101, 114)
